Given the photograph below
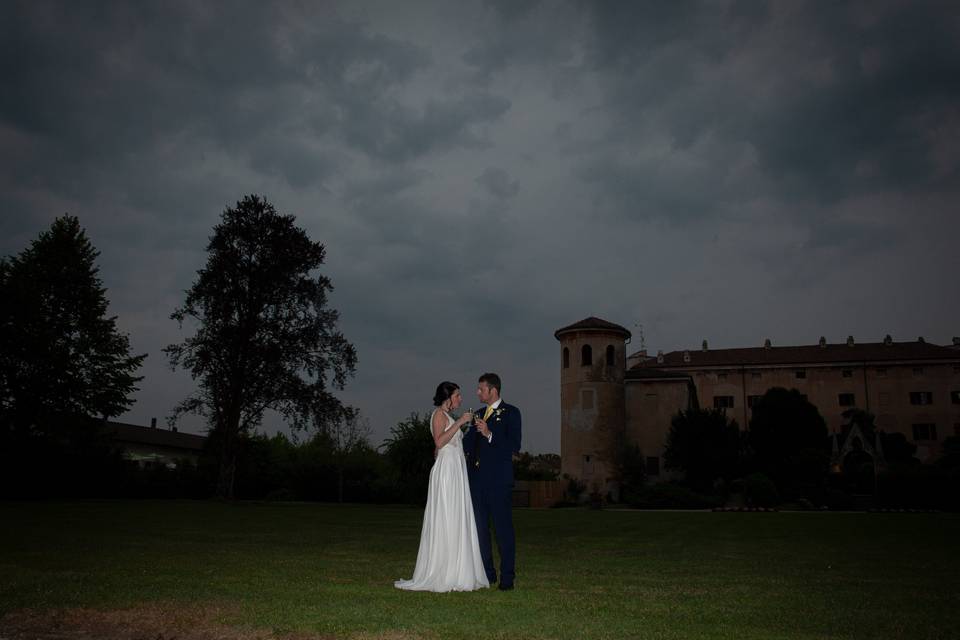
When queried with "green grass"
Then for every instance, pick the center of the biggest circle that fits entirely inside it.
(581, 574)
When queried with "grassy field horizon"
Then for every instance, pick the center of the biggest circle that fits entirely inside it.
(250, 569)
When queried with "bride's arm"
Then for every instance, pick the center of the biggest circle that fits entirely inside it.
(441, 437)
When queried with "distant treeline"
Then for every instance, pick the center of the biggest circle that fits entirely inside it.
(84, 462)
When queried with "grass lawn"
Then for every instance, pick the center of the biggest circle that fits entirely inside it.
(310, 570)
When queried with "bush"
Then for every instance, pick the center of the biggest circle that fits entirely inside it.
(667, 495)
(759, 491)
(575, 489)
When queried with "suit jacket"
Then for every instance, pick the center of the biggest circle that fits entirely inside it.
(495, 458)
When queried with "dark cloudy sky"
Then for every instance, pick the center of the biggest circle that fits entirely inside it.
(483, 173)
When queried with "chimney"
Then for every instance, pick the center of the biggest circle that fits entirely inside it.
(660, 356)
(153, 423)
(704, 345)
(956, 341)
(887, 340)
(921, 340)
(849, 341)
(174, 429)
(686, 356)
(767, 344)
(823, 342)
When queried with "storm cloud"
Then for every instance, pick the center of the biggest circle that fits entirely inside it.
(484, 173)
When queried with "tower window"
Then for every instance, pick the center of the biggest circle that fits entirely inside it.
(610, 355)
(586, 356)
(566, 358)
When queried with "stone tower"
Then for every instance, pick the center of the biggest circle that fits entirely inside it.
(593, 355)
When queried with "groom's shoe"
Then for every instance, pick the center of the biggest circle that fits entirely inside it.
(492, 580)
(505, 587)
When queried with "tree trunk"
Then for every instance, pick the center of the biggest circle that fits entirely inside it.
(228, 458)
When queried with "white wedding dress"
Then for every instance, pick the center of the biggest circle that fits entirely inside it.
(449, 555)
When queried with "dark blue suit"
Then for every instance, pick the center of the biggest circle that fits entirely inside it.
(490, 469)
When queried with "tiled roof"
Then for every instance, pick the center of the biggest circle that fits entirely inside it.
(648, 373)
(874, 352)
(132, 433)
(592, 323)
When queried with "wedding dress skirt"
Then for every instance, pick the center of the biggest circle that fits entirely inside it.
(449, 555)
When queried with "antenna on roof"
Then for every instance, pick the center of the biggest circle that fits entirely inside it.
(643, 342)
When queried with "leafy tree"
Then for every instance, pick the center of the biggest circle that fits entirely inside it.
(950, 458)
(61, 356)
(347, 435)
(543, 466)
(265, 338)
(410, 452)
(788, 437)
(704, 444)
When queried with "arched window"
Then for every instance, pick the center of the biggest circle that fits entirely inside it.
(586, 356)
(610, 356)
(566, 358)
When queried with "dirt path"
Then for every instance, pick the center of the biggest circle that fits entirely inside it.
(146, 622)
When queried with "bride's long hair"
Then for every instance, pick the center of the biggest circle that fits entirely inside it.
(444, 390)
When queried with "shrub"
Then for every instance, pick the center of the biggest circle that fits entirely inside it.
(759, 491)
(667, 495)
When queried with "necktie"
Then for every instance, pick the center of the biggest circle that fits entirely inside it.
(486, 414)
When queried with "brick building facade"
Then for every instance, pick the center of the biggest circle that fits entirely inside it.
(911, 387)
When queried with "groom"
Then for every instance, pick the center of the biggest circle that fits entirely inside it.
(489, 448)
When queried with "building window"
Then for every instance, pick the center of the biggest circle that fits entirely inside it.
(848, 373)
(881, 373)
(921, 397)
(801, 374)
(653, 466)
(566, 358)
(918, 371)
(586, 458)
(884, 398)
(925, 431)
(752, 400)
(610, 355)
(586, 356)
(586, 398)
(846, 399)
(722, 402)
(754, 374)
(955, 397)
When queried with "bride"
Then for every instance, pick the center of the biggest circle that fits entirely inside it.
(449, 555)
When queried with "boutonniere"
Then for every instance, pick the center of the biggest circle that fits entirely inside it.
(497, 412)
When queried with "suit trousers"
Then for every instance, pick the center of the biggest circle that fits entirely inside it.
(495, 503)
